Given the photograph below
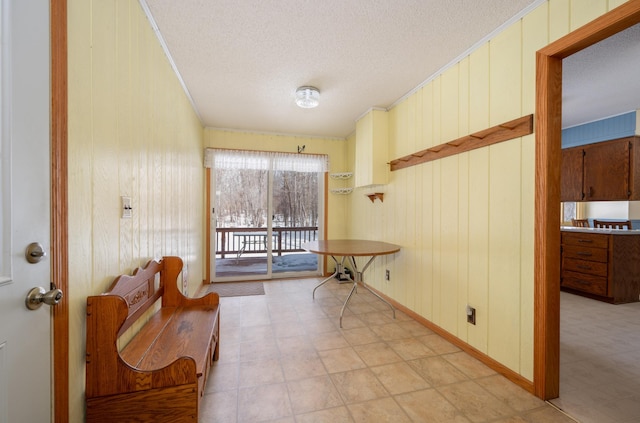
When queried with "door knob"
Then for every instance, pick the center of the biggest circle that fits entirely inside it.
(37, 296)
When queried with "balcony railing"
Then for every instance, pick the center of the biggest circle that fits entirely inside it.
(238, 241)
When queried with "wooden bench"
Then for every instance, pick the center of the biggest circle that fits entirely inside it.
(160, 375)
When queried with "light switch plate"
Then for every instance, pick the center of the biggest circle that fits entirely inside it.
(126, 207)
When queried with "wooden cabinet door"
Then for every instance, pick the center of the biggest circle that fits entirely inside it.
(571, 182)
(606, 171)
(634, 171)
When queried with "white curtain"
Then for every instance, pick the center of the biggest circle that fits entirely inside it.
(263, 160)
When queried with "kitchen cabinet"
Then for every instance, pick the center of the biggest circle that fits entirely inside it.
(601, 264)
(372, 139)
(604, 171)
(571, 188)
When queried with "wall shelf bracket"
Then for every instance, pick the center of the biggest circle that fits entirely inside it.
(378, 195)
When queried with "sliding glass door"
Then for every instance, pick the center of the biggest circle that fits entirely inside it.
(295, 220)
(242, 228)
(265, 205)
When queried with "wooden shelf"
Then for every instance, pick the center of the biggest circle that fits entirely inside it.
(378, 195)
(503, 132)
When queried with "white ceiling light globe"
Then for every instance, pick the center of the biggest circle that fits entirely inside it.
(307, 97)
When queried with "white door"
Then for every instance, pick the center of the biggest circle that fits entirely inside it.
(25, 335)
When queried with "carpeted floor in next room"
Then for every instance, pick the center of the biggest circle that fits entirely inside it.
(284, 358)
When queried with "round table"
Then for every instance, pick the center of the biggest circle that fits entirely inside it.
(351, 248)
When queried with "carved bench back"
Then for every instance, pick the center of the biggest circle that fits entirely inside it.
(140, 290)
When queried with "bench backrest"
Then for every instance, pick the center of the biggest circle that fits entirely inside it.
(145, 286)
(140, 290)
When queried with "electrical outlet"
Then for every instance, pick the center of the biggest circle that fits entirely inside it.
(471, 315)
(387, 275)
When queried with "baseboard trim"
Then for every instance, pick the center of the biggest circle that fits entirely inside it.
(472, 351)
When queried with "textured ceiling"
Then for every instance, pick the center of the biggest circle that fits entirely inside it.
(602, 80)
(241, 61)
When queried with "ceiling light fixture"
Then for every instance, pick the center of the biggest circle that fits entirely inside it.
(307, 97)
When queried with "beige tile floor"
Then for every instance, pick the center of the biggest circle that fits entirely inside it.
(284, 358)
(599, 360)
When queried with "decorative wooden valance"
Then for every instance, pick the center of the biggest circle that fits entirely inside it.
(503, 132)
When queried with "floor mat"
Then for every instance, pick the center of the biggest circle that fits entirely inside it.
(236, 289)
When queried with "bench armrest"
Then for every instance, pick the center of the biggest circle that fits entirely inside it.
(172, 266)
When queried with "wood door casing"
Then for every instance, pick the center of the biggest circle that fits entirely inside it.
(59, 206)
(548, 120)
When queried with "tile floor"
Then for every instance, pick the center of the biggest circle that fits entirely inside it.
(599, 360)
(285, 359)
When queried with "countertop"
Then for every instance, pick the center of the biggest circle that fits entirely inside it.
(601, 231)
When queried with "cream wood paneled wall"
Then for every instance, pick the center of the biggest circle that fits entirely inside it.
(466, 222)
(132, 132)
(335, 148)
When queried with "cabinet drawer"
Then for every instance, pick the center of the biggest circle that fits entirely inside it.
(584, 266)
(588, 283)
(585, 253)
(585, 239)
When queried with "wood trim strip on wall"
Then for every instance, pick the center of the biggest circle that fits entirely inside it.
(207, 226)
(325, 229)
(499, 133)
(547, 210)
(59, 208)
(472, 351)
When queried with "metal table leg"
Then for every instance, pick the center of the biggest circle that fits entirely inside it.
(353, 289)
(339, 267)
(358, 278)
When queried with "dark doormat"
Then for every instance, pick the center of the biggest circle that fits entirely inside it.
(236, 289)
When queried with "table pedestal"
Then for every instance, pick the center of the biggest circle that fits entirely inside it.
(356, 280)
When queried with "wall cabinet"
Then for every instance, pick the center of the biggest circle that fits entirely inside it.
(602, 265)
(372, 139)
(606, 171)
(571, 180)
(603, 171)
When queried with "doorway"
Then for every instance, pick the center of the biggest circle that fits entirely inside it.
(599, 380)
(547, 212)
(264, 207)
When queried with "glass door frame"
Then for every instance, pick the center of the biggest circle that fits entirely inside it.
(211, 230)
